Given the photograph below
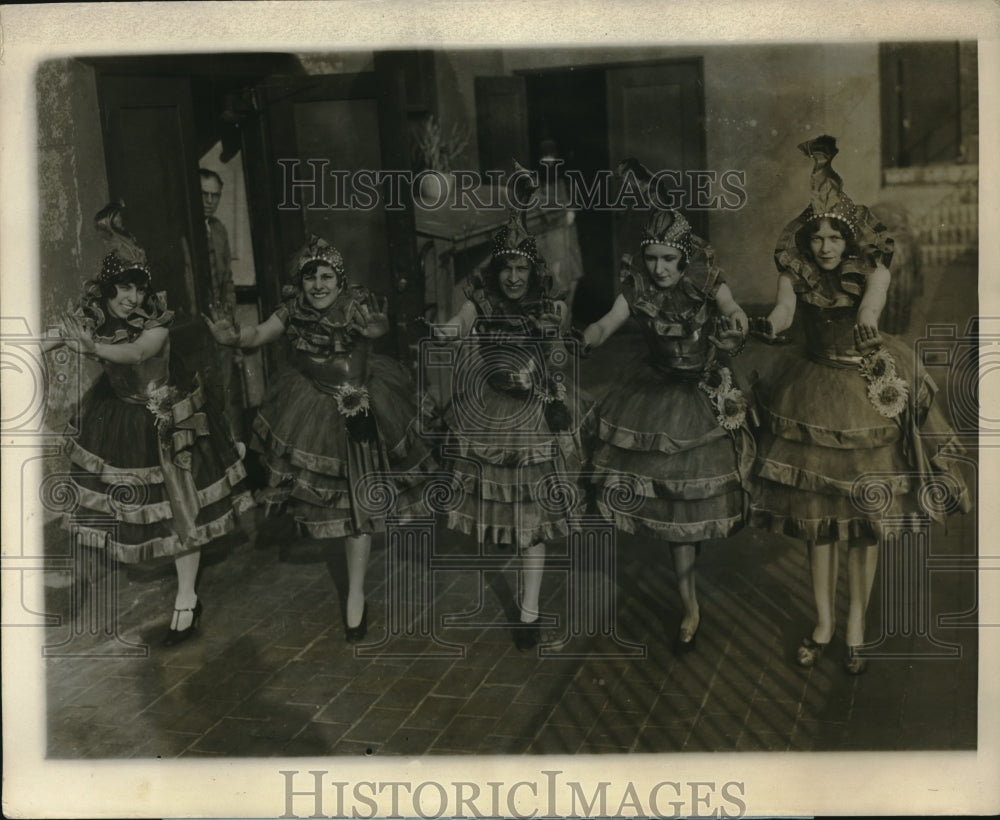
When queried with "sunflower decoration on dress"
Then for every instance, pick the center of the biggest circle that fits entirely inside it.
(878, 364)
(888, 396)
(887, 392)
(160, 400)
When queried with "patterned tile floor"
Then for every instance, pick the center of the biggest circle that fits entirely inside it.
(272, 675)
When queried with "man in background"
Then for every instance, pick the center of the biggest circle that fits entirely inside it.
(223, 297)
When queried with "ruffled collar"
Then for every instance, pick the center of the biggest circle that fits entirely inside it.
(109, 329)
(320, 332)
(680, 302)
(336, 317)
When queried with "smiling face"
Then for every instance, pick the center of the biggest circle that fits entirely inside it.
(664, 264)
(515, 271)
(321, 286)
(127, 298)
(827, 243)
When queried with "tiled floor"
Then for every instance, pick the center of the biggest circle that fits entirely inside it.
(271, 675)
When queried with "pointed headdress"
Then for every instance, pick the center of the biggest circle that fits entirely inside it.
(827, 200)
(664, 227)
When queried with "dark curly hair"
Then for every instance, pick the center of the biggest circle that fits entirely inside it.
(314, 265)
(132, 276)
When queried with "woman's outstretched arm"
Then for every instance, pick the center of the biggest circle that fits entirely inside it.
(600, 331)
(866, 333)
(227, 332)
(463, 320)
(146, 345)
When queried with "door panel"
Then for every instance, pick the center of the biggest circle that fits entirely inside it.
(152, 166)
(149, 134)
(331, 127)
(501, 122)
(360, 234)
(656, 114)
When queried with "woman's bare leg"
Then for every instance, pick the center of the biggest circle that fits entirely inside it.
(684, 565)
(358, 549)
(823, 566)
(186, 598)
(533, 564)
(862, 562)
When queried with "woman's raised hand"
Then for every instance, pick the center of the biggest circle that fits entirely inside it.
(222, 327)
(866, 337)
(76, 333)
(761, 328)
(728, 335)
(371, 317)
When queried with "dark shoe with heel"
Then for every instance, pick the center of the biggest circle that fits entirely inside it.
(355, 634)
(808, 653)
(176, 636)
(528, 635)
(854, 664)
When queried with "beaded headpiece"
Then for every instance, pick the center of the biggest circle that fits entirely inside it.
(125, 254)
(668, 228)
(514, 238)
(315, 249)
(827, 199)
(664, 227)
(114, 267)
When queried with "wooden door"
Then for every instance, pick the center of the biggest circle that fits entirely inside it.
(327, 129)
(502, 123)
(656, 114)
(152, 166)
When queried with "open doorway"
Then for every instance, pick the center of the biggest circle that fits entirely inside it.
(220, 106)
(570, 108)
(598, 116)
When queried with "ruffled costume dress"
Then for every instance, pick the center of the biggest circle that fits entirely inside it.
(513, 424)
(155, 472)
(338, 429)
(843, 432)
(673, 455)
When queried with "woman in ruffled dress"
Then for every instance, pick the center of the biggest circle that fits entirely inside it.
(337, 422)
(852, 406)
(150, 458)
(674, 453)
(513, 421)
